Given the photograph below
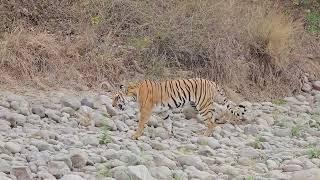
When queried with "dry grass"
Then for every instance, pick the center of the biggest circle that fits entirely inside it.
(251, 47)
(273, 33)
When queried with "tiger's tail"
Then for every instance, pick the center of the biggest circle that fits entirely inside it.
(237, 110)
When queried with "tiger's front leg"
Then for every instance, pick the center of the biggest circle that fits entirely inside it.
(145, 113)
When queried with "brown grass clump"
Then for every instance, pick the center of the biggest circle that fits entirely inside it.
(250, 47)
(273, 34)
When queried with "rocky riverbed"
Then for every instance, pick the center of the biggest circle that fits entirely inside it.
(78, 135)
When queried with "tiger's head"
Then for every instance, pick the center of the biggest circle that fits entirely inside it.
(119, 100)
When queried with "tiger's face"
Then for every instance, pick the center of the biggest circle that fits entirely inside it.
(118, 98)
(118, 101)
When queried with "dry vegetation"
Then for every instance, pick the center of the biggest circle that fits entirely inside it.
(257, 48)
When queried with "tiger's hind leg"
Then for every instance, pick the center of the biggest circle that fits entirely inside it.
(145, 113)
(207, 115)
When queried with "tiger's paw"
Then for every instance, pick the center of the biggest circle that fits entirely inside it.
(135, 136)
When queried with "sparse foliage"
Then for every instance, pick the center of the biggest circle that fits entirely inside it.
(296, 131)
(246, 45)
(314, 153)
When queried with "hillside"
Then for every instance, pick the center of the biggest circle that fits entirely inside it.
(258, 49)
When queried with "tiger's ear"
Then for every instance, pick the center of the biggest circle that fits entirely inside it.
(121, 87)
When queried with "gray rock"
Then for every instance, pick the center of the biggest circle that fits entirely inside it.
(68, 110)
(206, 151)
(308, 174)
(4, 103)
(22, 107)
(71, 177)
(189, 112)
(251, 129)
(111, 111)
(139, 172)
(40, 158)
(197, 174)
(113, 146)
(21, 172)
(16, 119)
(262, 122)
(4, 166)
(53, 114)
(154, 121)
(88, 102)
(306, 87)
(249, 152)
(282, 132)
(161, 132)
(120, 173)
(33, 119)
(58, 168)
(179, 174)
(271, 164)
(291, 167)
(79, 158)
(161, 160)
(278, 174)
(38, 110)
(45, 175)
(261, 168)
(72, 102)
(127, 157)
(160, 146)
(102, 120)
(161, 173)
(114, 163)
(3, 176)
(40, 144)
(316, 85)
(191, 160)
(245, 161)
(90, 140)
(132, 146)
(63, 157)
(5, 125)
(13, 147)
(121, 126)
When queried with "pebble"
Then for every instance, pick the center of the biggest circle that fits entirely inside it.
(13, 147)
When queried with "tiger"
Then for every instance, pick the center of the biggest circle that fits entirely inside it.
(200, 93)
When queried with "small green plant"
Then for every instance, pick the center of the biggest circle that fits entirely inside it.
(257, 143)
(95, 20)
(104, 137)
(184, 150)
(104, 171)
(279, 102)
(250, 178)
(177, 177)
(313, 21)
(296, 131)
(203, 143)
(314, 153)
(275, 114)
(315, 116)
